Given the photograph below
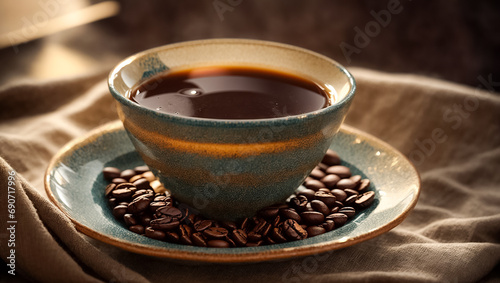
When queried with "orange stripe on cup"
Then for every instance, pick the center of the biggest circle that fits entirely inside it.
(221, 150)
(230, 179)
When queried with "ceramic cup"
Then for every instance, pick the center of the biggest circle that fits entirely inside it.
(229, 169)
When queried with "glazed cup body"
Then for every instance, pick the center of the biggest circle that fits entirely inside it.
(229, 169)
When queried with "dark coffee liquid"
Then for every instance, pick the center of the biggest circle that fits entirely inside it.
(231, 92)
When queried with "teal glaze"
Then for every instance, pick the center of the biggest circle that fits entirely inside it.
(152, 65)
(74, 182)
(229, 169)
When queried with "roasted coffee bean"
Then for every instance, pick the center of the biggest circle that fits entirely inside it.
(277, 220)
(268, 240)
(135, 178)
(349, 211)
(157, 186)
(239, 237)
(139, 193)
(338, 204)
(165, 223)
(315, 231)
(335, 209)
(172, 236)
(198, 240)
(154, 234)
(299, 203)
(110, 173)
(190, 219)
(356, 179)
(109, 189)
(266, 229)
(329, 225)
(244, 224)
(314, 184)
(259, 227)
(304, 226)
(121, 194)
(149, 176)
(327, 198)
(218, 244)
(169, 211)
(309, 207)
(277, 235)
(141, 169)
(350, 200)
(346, 184)
(308, 179)
(141, 184)
(130, 219)
(229, 225)
(138, 229)
(160, 198)
(118, 181)
(268, 212)
(127, 174)
(339, 170)
(351, 192)
(339, 218)
(320, 206)
(317, 173)
(112, 202)
(340, 195)
(139, 204)
(254, 237)
(365, 199)
(330, 180)
(127, 185)
(293, 231)
(185, 213)
(331, 158)
(149, 196)
(230, 241)
(325, 190)
(185, 233)
(154, 205)
(363, 185)
(145, 219)
(289, 213)
(201, 225)
(169, 202)
(323, 166)
(119, 211)
(312, 217)
(308, 193)
(215, 232)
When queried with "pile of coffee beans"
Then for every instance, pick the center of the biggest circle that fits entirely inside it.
(331, 197)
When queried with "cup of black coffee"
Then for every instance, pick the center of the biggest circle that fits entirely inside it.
(230, 125)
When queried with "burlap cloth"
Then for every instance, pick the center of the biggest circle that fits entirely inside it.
(451, 132)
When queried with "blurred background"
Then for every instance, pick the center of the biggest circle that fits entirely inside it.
(452, 40)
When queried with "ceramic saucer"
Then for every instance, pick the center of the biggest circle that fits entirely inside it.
(74, 183)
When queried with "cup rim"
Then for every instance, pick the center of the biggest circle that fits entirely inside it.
(292, 119)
